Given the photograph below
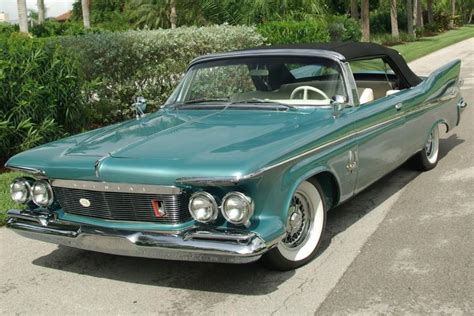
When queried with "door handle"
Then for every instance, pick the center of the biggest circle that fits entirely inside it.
(398, 106)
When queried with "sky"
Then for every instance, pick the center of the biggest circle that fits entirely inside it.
(53, 7)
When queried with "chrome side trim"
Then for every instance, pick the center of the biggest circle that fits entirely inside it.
(212, 181)
(116, 187)
(33, 171)
(193, 244)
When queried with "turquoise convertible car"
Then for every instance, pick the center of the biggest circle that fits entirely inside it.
(245, 158)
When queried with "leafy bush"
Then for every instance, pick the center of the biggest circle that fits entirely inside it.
(293, 32)
(41, 94)
(342, 29)
(380, 21)
(121, 66)
(7, 29)
(333, 28)
(55, 28)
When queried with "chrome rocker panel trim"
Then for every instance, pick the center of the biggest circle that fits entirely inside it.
(194, 244)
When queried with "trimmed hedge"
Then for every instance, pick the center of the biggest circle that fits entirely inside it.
(149, 63)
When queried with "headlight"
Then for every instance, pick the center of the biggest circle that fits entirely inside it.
(203, 207)
(237, 208)
(20, 191)
(42, 193)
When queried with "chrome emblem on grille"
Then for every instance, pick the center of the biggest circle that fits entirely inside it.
(85, 202)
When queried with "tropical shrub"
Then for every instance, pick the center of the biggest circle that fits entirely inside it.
(54, 28)
(294, 32)
(342, 29)
(7, 29)
(41, 94)
(149, 63)
(380, 21)
(332, 28)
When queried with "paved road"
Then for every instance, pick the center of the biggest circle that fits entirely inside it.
(403, 246)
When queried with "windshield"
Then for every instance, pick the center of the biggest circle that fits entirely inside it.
(290, 80)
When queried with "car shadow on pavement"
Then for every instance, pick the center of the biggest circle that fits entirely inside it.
(248, 279)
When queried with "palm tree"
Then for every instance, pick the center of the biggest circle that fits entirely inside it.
(419, 14)
(394, 18)
(365, 22)
(409, 9)
(453, 13)
(173, 16)
(355, 9)
(429, 7)
(22, 15)
(151, 13)
(41, 11)
(86, 8)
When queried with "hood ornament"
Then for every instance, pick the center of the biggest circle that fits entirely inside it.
(97, 165)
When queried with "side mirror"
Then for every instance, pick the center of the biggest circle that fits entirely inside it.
(140, 106)
(337, 103)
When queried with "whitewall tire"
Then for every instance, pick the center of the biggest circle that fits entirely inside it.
(304, 229)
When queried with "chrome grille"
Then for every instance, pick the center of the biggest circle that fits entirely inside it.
(123, 206)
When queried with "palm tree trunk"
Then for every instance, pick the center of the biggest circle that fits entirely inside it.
(355, 9)
(41, 12)
(409, 8)
(173, 15)
(419, 14)
(453, 13)
(394, 18)
(86, 11)
(430, 11)
(365, 21)
(22, 15)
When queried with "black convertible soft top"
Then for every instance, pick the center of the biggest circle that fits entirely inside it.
(356, 51)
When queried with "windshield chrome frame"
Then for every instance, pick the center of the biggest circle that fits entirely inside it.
(347, 77)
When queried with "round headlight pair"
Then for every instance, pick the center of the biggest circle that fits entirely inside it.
(24, 190)
(236, 208)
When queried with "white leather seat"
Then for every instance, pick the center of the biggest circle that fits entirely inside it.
(390, 92)
(366, 95)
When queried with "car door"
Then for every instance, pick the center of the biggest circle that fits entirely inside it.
(379, 129)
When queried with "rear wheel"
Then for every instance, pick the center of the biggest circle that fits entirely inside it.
(427, 158)
(304, 229)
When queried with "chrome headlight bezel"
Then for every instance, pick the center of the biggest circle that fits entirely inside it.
(26, 183)
(249, 208)
(48, 190)
(211, 200)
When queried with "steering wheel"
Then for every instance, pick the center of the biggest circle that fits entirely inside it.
(305, 92)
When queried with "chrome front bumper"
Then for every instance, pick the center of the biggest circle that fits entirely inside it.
(194, 244)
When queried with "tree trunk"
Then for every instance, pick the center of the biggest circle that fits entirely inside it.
(22, 15)
(355, 9)
(430, 11)
(173, 15)
(365, 21)
(419, 14)
(453, 13)
(409, 9)
(86, 12)
(41, 12)
(394, 18)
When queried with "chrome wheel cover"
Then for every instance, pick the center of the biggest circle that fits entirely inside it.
(304, 225)
(299, 221)
(432, 146)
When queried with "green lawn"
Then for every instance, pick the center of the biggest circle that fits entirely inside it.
(5, 201)
(426, 45)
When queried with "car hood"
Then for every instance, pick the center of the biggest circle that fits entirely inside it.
(180, 143)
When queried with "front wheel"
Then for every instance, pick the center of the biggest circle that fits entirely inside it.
(427, 158)
(305, 226)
